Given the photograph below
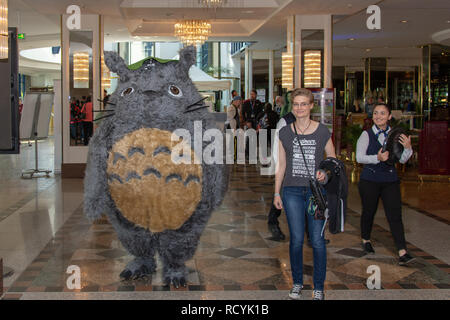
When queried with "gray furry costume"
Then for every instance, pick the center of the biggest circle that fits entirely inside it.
(154, 204)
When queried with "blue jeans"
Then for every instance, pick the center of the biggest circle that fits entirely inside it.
(295, 202)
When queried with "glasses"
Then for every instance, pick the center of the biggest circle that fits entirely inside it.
(303, 104)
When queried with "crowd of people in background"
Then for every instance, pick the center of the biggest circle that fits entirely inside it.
(253, 114)
(81, 120)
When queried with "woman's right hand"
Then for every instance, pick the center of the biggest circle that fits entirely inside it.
(277, 202)
(383, 156)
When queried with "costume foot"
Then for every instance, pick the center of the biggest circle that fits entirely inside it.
(277, 234)
(175, 276)
(138, 268)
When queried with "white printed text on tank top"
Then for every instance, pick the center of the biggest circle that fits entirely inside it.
(298, 165)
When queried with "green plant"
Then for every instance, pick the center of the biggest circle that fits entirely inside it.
(352, 134)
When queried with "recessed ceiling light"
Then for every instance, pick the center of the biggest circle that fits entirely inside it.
(368, 49)
(351, 39)
(448, 21)
(248, 11)
(404, 21)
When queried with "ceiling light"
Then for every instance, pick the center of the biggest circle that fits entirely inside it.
(312, 68)
(193, 32)
(351, 39)
(368, 49)
(404, 21)
(81, 70)
(212, 3)
(287, 67)
(248, 11)
(4, 29)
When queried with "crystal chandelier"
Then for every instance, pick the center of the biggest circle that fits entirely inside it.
(287, 67)
(81, 70)
(3, 29)
(312, 68)
(106, 75)
(212, 3)
(193, 32)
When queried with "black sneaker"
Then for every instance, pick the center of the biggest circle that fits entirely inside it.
(368, 249)
(277, 234)
(405, 259)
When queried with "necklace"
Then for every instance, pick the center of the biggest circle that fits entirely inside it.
(295, 124)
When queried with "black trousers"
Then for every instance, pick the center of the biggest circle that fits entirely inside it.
(88, 127)
(389, 192)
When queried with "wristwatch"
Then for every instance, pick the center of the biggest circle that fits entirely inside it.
(276, 194)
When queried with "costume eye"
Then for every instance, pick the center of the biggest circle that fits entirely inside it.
(175, 91)
(127, 91)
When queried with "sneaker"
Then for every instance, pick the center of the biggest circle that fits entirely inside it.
(318, 295)
(277, 234)
(368, 249)
(296, 292)
(405, 259)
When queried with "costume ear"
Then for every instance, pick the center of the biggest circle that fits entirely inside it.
(188, 56)
(115, 63)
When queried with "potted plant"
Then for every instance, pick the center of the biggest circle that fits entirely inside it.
(352, 134)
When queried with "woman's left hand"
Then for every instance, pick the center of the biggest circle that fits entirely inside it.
(320, 176)
(405, 141)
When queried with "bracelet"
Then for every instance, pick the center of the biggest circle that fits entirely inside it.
(276, 194)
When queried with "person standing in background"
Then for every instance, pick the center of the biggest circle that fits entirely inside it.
(88, 124)
(251, 109)
(279, 104)
(20, 109)
(368, 108)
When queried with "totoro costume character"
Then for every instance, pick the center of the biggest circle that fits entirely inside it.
(156, 205)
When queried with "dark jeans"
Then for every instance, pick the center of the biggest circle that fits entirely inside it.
(389, 192)
(295, 202)
(88, 127)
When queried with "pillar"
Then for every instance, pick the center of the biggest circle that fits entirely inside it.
(295, 26)
(89, 38)
(248, 72)
(271, 76)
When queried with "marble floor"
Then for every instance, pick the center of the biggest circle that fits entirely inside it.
(43, 231)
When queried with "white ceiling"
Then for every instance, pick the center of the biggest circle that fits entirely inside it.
(260, 21)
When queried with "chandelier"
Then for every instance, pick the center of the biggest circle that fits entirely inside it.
(106, 75)
(193, 32)
(212, 3)
(81, 70)
(287, 67)
(312, 68)
(3, 29)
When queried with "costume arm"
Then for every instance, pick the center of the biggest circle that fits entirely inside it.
(96, 196)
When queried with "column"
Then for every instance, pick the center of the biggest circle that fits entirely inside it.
(248, 73)
(88, 40)
(375, 78)
(298, 27)
(271, 76)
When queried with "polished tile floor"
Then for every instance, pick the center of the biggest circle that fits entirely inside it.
(43, 231)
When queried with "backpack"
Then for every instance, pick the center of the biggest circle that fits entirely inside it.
(337, 192)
